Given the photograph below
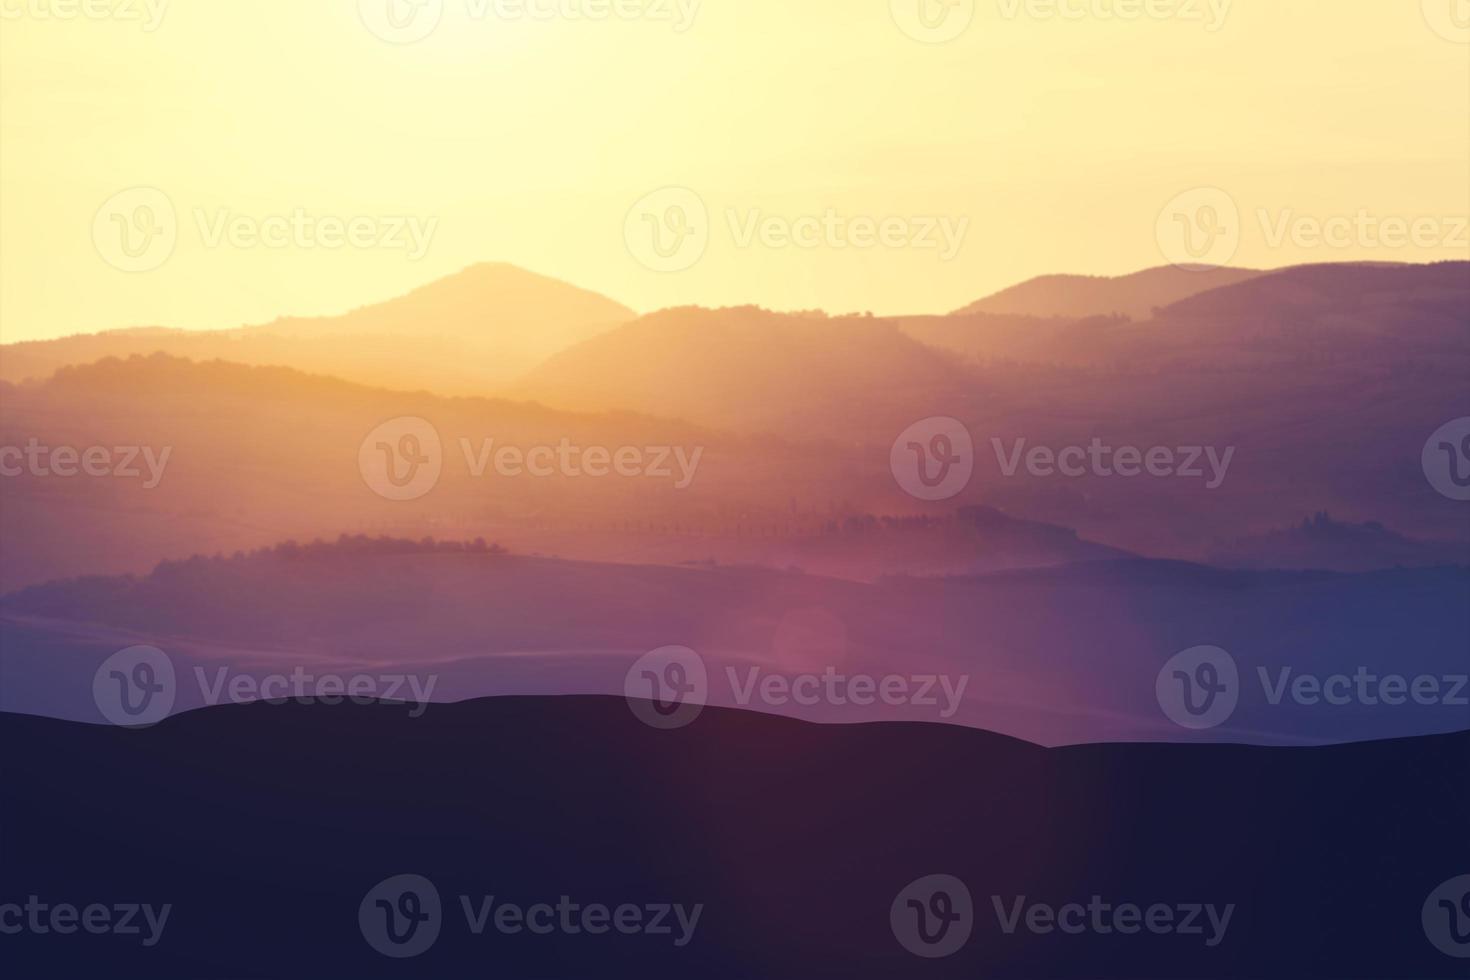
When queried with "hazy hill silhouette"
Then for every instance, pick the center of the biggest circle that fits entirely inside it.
(1267, 320)
(465, 334)
(1265, 366)
(813, 404)
(1369, 292)
(752, 370)
(1135, 295)
(749, 369)
(1054, 655)
(1011, 340)
(266, 826)
(1321, 542)
(261, 454)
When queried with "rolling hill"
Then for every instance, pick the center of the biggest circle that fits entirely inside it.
(466, 334)
(809, 407)
(261, 454)
(1135, 296)
(752, 370)
(1054, 655)
(794, 840)
(1264, 366)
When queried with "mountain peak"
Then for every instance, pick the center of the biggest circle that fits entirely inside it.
(485, 291)
(466, 333)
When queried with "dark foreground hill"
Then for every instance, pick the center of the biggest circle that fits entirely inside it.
(265, 828)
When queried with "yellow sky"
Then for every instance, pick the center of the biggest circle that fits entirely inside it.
(820, 151)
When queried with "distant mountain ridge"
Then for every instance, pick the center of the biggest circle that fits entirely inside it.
(1356, 290)
(468, 301)
(464, 334)
(1134, 296)
(797, 413)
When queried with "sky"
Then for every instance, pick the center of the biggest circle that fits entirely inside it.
(208, 163)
